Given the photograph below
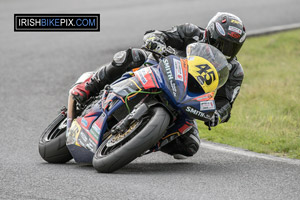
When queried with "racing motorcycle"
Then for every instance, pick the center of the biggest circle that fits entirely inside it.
(140, 112)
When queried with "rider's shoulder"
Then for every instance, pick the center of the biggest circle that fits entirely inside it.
(189, 29)
(236, 69)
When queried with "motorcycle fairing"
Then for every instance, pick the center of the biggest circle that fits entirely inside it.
(79, 143)
(172, 81)
(176, 77)
(146, 78)
(126, 86)
(199, 106)
(85, 134)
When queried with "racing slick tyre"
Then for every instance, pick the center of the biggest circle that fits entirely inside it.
(52, 145)
(120, 149)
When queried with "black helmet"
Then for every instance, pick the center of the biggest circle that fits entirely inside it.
(226, 32)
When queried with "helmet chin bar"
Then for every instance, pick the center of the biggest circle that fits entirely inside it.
(219, 45)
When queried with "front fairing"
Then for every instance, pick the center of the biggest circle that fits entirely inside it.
(174, 72)
(172, 76)
(86, 132)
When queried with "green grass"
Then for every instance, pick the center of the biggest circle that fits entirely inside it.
(266, 114)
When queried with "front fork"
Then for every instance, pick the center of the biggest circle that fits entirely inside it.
(72, 103)
(71, 114)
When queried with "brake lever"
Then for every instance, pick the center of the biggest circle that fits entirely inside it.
(170, 50)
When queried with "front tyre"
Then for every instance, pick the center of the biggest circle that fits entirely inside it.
(119, 150)
(52, 145)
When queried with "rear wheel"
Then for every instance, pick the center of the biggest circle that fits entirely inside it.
(120, 149)
(52, 145)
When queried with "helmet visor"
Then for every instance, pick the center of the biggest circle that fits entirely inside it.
(228, 48)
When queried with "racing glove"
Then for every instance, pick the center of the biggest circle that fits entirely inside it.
(155, 44)
(214, 121)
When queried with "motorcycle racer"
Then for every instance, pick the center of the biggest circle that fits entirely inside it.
(225, 31)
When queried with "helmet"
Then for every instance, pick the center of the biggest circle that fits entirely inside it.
(226, 32)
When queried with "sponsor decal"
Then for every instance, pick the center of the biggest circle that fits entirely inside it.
(196, 38)
(174, 90)
(57, 22)
(95, 131)
(243, 38)
(156, 71)
(145, 76)
(234, 21)
(96, 128)
(196, 112)
(91, 145)
(205, 97)
(206, 74)
(83, 136)
(84, 122)
(141, 73)
(92, 142)
(80, 143)
(73, 133)
(168, 69)
(220, 28)
(178, 70)
(94, 134)
(234, 35)
(235, 29)
(207, 105)
(170, 76)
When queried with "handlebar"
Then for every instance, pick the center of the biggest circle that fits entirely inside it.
(168, 51)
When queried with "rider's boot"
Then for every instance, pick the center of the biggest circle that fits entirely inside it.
(184, 146)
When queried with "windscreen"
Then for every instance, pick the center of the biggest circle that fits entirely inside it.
(211, 55)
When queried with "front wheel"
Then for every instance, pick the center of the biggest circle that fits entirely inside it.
(119, 150)
(52, 145)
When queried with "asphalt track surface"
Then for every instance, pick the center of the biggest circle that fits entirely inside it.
(37, 70)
